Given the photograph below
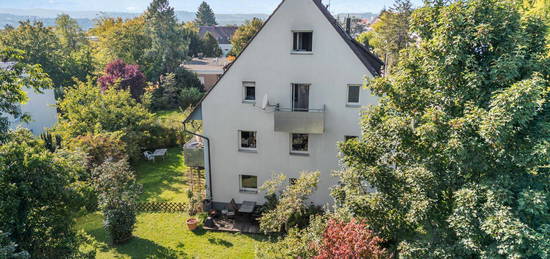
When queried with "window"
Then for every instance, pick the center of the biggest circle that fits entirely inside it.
(299, 143)
(300, 97)
(353, 94)
(247, 140)
(346, 138)
(201, 78)
(249, 89)
(302, 41)
(292, 181)
(248, 183)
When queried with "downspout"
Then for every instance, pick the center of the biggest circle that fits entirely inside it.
(209, 163)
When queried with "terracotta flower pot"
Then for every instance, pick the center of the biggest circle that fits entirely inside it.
(192, 223)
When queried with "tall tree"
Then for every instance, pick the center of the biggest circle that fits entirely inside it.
(69, 32)
(205, 15)
(167, 50)
(244, 34)
(122, 76)
(210, 47)
(14, 75)
(457, 149)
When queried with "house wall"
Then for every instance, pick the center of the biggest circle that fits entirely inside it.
(268, 61)
(41, 108)
(208, 80)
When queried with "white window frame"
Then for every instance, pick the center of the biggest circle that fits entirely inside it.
(243, 189)
(298, 152)
(247, 149)
(245, 85)
(306, 52)
(353, 104)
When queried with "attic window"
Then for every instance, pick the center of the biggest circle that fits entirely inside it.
(302, 41)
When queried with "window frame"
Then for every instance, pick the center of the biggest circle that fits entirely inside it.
(247, 149)
(297, 41)
(246, 84)
(353, 104)
(247, 189)
(299, 152)
(349, 137)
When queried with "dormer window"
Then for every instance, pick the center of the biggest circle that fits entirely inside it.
(302, 41)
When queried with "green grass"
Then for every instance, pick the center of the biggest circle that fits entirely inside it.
(165, 235)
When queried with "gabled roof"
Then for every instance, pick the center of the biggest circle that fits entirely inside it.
(222, 34)
(371, 61)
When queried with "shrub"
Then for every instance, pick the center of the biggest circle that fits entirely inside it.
(100, 147)
(180, 89)
(118, 192)
(350, 240)
(9, 250)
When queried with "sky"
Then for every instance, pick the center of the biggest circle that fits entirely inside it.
(219, 6)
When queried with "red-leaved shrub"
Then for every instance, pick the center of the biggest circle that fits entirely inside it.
(127, 77)
(350, 240)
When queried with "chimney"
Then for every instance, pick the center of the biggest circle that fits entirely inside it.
(348, 26)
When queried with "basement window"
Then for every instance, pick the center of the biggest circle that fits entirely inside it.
(249, 89)
(299, 144)
(302, 41)
(247, 140)
(346, 138)
(248, 183)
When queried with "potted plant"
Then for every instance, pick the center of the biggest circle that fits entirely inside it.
(192, 223)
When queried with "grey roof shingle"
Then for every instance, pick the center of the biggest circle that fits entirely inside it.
(222, 34)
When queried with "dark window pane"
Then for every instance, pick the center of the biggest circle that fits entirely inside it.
(249, 181)
(346, 138)
(250, 93)
(302, 41)
(292, 181)
(300, 97)
(248, 139)
(353, 94)
(299, 142)
(295, 41)
(306, 41)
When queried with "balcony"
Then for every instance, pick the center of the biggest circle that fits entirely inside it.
(193, 152)
(310, 121)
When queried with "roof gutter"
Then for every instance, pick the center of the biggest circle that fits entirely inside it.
(209, 163)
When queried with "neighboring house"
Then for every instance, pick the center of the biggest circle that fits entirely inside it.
(284, 104)
(40, 106)
(208, 70)
(222, 34)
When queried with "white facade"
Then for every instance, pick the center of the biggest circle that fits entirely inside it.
(269, 62)
(41, 108)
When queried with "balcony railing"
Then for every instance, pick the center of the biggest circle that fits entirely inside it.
(193, 153)
(305, 121)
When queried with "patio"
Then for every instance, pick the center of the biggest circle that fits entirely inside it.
(240, 223)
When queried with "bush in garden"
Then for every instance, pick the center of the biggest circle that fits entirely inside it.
(118, 192)
(350, 240)
(180, 89)
(119, 75)
(100, 147)
(292, 202)
(8, 248)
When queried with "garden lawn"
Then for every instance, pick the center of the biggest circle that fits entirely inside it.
(165, 235)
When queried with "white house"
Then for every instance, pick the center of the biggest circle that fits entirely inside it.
(284, 104)
(40, 106)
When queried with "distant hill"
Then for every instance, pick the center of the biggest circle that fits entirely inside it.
(86, 18)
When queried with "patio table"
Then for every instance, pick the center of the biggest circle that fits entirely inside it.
(160, 152)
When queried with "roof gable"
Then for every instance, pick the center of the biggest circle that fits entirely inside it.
(372, 63)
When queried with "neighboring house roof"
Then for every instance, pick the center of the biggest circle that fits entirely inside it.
(371, 61)
(206, 65)
(222, 34)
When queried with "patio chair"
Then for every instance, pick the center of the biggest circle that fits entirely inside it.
(149, 156)
(232, 209)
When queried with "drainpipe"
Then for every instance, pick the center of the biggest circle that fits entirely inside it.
(209, 163)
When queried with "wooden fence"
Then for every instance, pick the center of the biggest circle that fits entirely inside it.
(161, 207)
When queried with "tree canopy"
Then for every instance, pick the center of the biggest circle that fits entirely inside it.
(457, 149)
(205, 15)
(244, 34)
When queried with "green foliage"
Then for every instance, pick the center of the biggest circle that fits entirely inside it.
(205, 15)
(37, 202)
(14, 78)
(457, 150)
(100, 147)
(51, 142)
(168, 47)
(8, 249)
(88, 110)
(68, 32)
(191, 32)
(118, 192)
(244, 34)
(176, 90)
(292, 201)
(210, 47)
